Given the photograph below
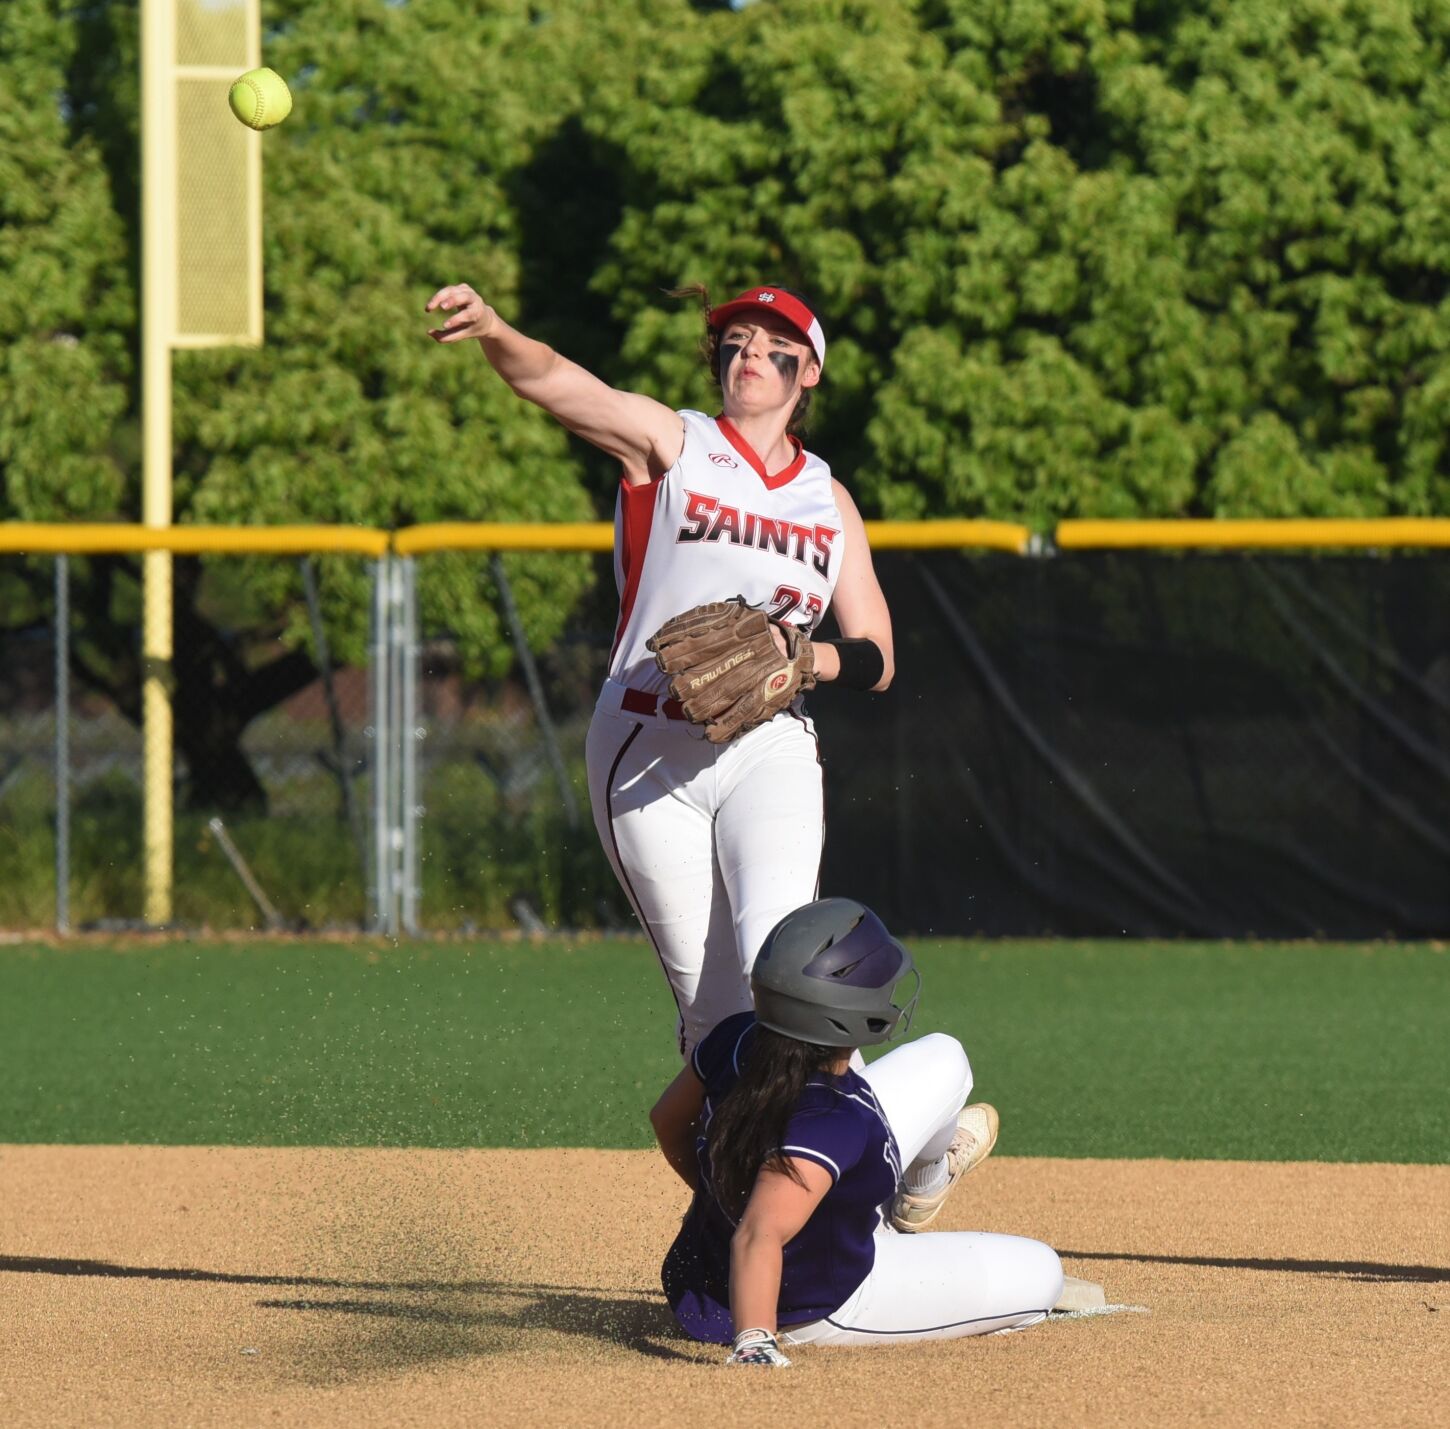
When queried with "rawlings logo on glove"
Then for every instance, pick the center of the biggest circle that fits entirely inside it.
(725, 668)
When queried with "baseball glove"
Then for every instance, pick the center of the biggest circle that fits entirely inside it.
(725, 669)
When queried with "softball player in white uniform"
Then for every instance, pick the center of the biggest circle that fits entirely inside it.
(713, 844)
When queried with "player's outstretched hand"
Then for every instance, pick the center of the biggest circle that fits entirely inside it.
(757, 1347)
(472, 317)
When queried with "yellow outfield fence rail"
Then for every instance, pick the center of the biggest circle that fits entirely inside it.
(112, 538)
(599, 536)
(504, 536)
(115, 538)
(940, 535)
(106, 539)
(1408, 532)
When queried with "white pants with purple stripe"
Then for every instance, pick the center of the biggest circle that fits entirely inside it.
(713, 843)
(936, 1285)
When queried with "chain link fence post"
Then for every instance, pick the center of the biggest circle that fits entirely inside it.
(380, 883)
(395, 732)
(62, 744)
(410, 733)
(393, 793)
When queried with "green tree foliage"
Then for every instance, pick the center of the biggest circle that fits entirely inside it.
(393, 177)
(1076, 257)
(66, 299)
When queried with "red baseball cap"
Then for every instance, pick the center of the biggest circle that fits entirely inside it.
(783, 304)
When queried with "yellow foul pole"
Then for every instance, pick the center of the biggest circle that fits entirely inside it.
(158, 325)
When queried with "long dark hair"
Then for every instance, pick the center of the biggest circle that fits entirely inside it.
(710, 349)
(749, 1124)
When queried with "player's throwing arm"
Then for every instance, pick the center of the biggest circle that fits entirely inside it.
(731, 543)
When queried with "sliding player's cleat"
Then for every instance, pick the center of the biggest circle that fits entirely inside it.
(976, 1135)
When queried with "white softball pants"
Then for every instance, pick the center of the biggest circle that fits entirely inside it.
(936, 1285)
(713, 844)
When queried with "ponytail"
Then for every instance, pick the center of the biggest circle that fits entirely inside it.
(749, 1125)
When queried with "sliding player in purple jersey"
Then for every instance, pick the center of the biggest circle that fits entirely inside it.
(810, 1178)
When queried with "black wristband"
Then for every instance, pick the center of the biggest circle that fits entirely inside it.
(862, 663)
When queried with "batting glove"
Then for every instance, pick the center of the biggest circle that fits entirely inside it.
(756, 1347)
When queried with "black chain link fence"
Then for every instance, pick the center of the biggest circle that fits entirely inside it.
(271, 754)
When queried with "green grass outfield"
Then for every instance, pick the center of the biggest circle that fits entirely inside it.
(1260, 1051)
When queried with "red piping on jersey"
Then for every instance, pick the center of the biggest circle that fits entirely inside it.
(637, 509)
(785, 474)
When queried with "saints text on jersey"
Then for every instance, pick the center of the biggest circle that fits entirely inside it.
(710, 519)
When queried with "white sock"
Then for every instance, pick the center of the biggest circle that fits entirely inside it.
(926, 1178)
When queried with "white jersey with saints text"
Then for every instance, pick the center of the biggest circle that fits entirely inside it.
(714, 526)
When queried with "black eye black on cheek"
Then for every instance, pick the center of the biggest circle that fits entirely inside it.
(787, 364)
(729, 351)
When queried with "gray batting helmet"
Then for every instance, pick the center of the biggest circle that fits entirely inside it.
(826, 974)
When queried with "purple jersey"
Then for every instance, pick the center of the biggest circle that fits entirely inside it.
(837, 1124)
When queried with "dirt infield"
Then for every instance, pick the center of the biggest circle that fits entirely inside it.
(224, 1286)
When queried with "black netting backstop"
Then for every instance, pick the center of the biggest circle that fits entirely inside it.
(1151, 744)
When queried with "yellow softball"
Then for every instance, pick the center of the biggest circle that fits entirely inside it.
(260, 99)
